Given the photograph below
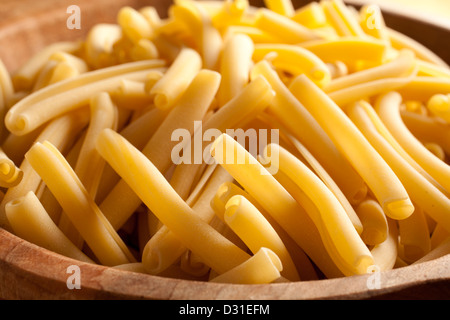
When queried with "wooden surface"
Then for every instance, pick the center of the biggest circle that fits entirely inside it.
(29, 272)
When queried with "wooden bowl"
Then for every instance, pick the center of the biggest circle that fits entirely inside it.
(30, 272)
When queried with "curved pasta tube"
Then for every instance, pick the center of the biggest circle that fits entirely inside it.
(403, 63)
(423, 88)
(341, 19)
(374, 221)
(388, 108)
(57, 174)
(30, 221)
(386, 186)
(428, 129)
(366, 90)
(329, 182)
(207, 38)
(164, 248)
(134, 25)
(283, 208)
(283, 7)
(154, 190)
(89, 165)
(414, 236)
(421, 191)
(10, 174)
(385, 254)
(263, 267)
(25, 77)
(235, 66)
(283, 28)
(121, 202)
(348, 50)
(61, 132)
(99, 44)
(28, 114)
(439, 105)
(332, 216)
(256, 232)
(295, 60)
(292, 114)
(310, 15)
(176, 80)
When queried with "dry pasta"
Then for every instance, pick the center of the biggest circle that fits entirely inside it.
(230, 143)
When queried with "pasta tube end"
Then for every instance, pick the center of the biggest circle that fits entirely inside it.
(399, 209)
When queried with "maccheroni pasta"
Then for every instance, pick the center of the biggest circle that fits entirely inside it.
(232, 144)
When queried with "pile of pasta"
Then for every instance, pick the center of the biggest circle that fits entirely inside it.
(362, 113)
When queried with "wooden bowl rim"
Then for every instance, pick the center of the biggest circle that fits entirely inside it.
(119, 284)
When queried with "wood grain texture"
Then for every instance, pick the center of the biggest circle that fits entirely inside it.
(30, 272)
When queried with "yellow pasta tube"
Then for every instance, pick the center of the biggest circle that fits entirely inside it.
(28, 114)
(154, 190)
(255, 34)
(329, 182)
(386, 186)
(235, 66)
(362, 91)
(403, 63)
(54, 170)
(263, 187)
(432, 70)
(428, 129)
(256, 232)
(264, 267)
(341, 19)
(295, 60)
(175, 81)
(388, 108)
(228, 190)
(207, 38)
(6, 97)
(24, 78)
(10, 174)
(121, 202)
(99, 45)
(310, 15)
(164, 248)
(89, 165)
(351, 249)
(348, 50)
(423, 88)
(144, 50)
(439, 105)
(283, 7)
(385, 254)
(30, 221)
(61, 132)
(374, 221)
(421, 191)
(285, 29)
(305, 128)
(414, 236)
(134, 25)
